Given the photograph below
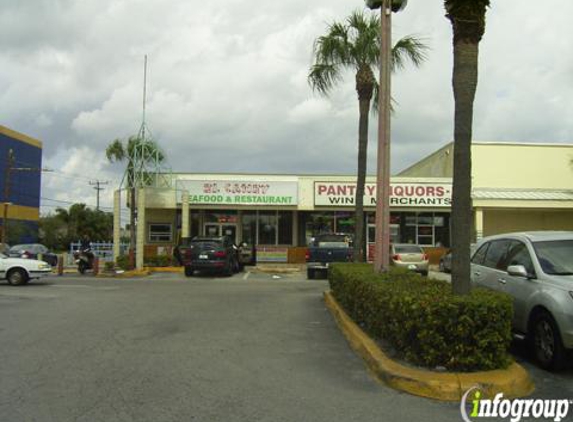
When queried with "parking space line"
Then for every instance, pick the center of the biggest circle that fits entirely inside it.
(246, 276)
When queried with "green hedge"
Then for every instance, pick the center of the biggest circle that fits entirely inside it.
(423, 320)
(160, 261)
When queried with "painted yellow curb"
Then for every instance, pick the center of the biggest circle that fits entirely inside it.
(513, 382)
(165, 269)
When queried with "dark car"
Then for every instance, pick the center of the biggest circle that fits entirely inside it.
(34, 251)
(4, 248)
(218, 254)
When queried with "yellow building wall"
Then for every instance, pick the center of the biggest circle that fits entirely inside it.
(522, 166)
(506, 221)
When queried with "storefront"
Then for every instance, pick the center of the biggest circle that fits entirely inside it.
(280, 214)
(515, 187)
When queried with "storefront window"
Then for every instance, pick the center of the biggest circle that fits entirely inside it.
(249, 219)
(285, 227)
(267, 227)
(316, 223)
(229, 217)
(345, 222)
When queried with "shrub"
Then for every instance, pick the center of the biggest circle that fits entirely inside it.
(160, 261)
(108, 266)
(423, 320)
(122, 262)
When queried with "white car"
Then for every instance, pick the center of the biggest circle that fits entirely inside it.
(19, 271)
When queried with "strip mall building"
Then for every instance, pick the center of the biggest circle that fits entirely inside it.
(515, 187)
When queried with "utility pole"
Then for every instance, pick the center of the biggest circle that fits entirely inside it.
(97, 187)
(8, 171)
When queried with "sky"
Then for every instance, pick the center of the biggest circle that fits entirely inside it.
(227, 86)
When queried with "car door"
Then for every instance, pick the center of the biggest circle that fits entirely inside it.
(519, 288)
(487, 273)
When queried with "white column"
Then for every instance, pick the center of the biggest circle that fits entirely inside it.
(185, 214)
(478, 223)
(116, 224)
(140, 240)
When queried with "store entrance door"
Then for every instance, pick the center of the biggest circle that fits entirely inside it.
(221, 229)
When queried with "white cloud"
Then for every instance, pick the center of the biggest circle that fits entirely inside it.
(228, 91)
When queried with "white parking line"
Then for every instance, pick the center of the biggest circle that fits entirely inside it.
(246, 276)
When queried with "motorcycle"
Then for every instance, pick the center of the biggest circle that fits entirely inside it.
(84, 259)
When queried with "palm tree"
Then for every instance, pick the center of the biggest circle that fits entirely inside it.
(355, 44)
(468, 24)
(137, 151)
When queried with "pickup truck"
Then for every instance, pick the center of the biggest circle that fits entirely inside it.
(325, 249)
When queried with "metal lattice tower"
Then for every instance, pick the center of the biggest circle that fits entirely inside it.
(147, 166)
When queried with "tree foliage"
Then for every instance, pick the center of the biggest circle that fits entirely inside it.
(65, 226)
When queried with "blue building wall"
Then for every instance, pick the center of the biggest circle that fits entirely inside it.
(25, 182)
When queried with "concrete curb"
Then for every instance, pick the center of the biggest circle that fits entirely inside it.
(277, 268)
(513, 382)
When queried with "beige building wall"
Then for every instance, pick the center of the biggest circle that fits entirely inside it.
(505, 221)
(522, 166)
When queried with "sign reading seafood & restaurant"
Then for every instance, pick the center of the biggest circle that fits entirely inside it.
(401, 194)
(229, 192)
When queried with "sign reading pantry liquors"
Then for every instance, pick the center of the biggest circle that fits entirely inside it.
(241, 192)
(401, 194)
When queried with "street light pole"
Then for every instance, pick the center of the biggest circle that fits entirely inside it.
(382, 248)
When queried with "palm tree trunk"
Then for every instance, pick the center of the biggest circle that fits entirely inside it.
(364, 106)
(465, 76)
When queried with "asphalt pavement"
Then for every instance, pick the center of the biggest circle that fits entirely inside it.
(252, 347)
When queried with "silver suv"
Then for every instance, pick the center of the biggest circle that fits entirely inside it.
(536, 270)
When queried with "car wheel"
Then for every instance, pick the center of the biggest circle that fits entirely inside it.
(188, 271)
(82, 266)
(546, 342)
(17, 277)
(310, 274)
(228, 271)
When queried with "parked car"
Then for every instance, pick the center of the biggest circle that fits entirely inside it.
(536, 270)
(411, 257)
(446, 260)
(33, 251)
(209, 253)
(19, 271)
(325, 249)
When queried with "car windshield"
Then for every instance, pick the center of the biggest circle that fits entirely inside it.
(555, 256)
(2, 255)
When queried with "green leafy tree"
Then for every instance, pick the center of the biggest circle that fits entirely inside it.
(135, 150)
(355, 44)
(65, 226)
(468, 23)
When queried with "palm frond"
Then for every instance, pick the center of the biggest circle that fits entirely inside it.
(115, 151)
(409, 48)
(323, 77)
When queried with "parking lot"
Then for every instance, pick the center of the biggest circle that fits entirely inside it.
(252, 347)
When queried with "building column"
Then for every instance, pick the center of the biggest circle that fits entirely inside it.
(185, 229)
(478, 223)
(116, 224)
(140, 238)
(295, 228)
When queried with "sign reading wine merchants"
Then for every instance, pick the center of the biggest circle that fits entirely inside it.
(340, 194)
